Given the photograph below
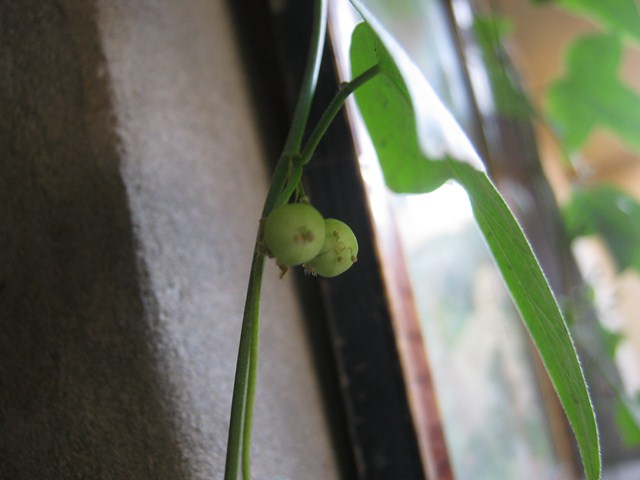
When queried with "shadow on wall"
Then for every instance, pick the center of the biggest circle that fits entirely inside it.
(79, 394)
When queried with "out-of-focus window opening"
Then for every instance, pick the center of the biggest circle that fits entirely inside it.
(499, 415)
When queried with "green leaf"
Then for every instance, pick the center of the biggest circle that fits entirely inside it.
(385, 105)
(619, 16)
(611, 213)
(538, 308)
(396, 114)
(393, 118)
(591, 95)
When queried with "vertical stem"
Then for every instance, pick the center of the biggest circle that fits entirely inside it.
(240, 425)
(240, 387)
(251, 394)
(323, 124)
(308, 88)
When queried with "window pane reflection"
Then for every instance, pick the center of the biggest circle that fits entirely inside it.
(487, 386)
(494, 420)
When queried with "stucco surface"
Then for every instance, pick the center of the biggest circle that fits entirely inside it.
(131, 181)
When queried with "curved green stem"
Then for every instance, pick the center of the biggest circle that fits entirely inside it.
(280, 179)
(322, 126)
(240, 388)
(332, 110)
(240, 425)
(285, 179)
(251, 392)
(292, 184)
(310, 79)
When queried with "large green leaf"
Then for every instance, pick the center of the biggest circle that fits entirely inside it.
(518, 265)
(393, 119)
(591, 95)
(535, 302)
(384, 102)
(611, 213)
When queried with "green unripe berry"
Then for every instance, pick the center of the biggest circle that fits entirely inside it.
(294, 233)
(338, 253)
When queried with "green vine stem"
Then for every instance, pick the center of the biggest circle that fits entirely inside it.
(246, 367)
(346, 89)
(309, 80)
(286, 180)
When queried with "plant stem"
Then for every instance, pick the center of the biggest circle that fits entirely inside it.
(309, 81)
(238, 403)
(279, 192)
(323, 124)
(332, 110)
(241, 417)
(251, 384)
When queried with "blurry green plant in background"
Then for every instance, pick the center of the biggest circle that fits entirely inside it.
(589, 96)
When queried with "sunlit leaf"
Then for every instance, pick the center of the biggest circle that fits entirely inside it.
(591, 95)
(439, 136)
(611, 213)
(386, 107)
(536, 303)
(519, 267)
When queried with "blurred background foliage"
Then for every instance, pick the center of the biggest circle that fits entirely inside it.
(589, 97)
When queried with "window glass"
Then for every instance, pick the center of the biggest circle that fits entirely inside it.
(493, 413)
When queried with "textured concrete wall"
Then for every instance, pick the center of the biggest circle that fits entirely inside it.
(131, 179)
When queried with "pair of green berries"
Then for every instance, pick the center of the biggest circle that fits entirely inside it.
(297, 234)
